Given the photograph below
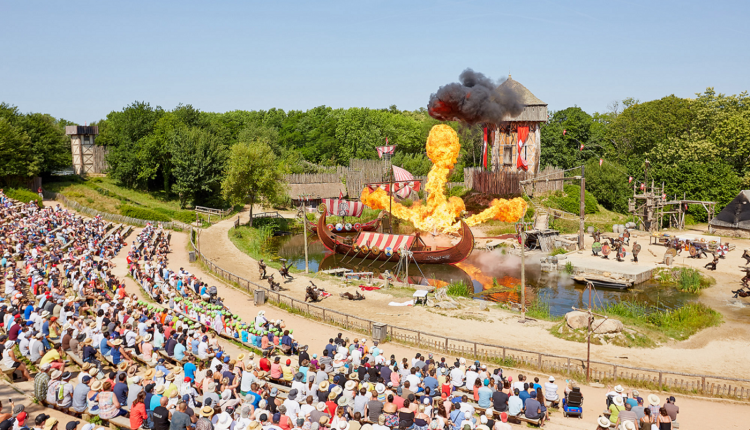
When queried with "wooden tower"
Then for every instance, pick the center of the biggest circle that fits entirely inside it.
(505, 135)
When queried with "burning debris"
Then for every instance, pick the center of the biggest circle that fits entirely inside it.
(476, 99)
(439, 214)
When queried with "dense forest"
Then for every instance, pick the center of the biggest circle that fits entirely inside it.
(699, 147)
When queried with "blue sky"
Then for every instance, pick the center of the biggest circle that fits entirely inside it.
(80, 60)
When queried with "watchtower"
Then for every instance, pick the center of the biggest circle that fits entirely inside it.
(87, 157)
(506, 150)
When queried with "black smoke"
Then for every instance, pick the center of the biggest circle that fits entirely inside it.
(474, 99)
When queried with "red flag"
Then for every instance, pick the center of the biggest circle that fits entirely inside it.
(341, 195)
(601, 160)
(484, 150)
(523, 134)
(564, 131)
(581, 147)
(630, 179)
(643, 186)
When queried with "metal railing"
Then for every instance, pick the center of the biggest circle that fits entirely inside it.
(665, 379)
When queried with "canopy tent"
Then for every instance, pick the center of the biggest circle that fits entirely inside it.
(736, 214)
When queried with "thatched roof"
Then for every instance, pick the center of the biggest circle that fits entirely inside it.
(322, 190)
(736, 214)
(536, 110)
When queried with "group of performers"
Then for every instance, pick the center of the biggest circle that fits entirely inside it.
(616, 244)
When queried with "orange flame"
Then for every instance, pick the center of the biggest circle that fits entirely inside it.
(440, 213)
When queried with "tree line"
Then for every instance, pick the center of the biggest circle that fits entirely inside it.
(699, 147)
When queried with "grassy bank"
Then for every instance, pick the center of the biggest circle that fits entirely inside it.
(645, 326)
(251, 240)
(685, 279)
(103, 194)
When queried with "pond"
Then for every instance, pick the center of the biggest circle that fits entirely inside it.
(493, 275)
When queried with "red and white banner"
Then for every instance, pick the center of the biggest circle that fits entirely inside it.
(341, 207)
(390, 149)
(484, 150)
(523, 134)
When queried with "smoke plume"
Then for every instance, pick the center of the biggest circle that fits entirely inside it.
(476, 99)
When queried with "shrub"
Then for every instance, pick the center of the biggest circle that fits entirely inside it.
(570, 200)
(23, 195)
(457, 191)
(459, 289)
(180, 215)
(407, 203)
(143, 213)
(558, 251)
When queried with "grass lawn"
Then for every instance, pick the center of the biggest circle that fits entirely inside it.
(103, 194)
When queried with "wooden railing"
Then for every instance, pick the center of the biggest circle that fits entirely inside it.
(664, 379)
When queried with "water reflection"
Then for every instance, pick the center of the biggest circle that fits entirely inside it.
(493, 276)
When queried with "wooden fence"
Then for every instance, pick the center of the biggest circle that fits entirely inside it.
(172, 225)
(507, 183)
(508, 356)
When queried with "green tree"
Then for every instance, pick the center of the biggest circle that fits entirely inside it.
(252, 175)
(609, 184)
(198, 160)
(564, 134)
(17, 153)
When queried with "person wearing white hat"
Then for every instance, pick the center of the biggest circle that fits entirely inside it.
(603, 423)
(617, 406)
(550, 391)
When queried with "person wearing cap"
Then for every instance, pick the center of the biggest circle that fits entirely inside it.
(72, 425)
(50, 424)
(671, 408)
(550, 391)
(10, 361)
(80, 392)
(40, 421)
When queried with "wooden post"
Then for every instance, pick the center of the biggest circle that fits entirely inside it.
(582, 210)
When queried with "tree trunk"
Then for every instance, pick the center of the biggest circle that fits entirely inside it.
(252, 203)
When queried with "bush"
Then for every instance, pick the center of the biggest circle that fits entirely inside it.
(143, 213)
(407, 203)
(24, 196)
(457, 191)
(570, 200)
(180, 215)
(459, 289)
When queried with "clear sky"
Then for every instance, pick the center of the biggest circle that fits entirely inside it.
(80, 60)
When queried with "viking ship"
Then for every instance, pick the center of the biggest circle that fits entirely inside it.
(344, 208)
(389, 247)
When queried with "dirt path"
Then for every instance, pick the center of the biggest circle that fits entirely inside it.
(718, 351)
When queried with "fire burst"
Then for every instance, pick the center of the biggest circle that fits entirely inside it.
(439, 213)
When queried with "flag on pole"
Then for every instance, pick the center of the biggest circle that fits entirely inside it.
(564, 131)
(601, 160)
(630, 179)
(643, 186)
(581, 148)
(388, 149)
(484, 150)
(400, 175)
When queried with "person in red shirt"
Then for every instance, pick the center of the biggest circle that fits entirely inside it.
(138, 411)
(265, 363)
(331, 404)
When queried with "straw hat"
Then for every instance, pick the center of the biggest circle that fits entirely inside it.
(93, 371)
(132, 370)
(92, 324)
(147, 338)
(97, 385)
(380, 388)
(342, 401)
(149, 373)
(240, 357)
(138, 339)
(56, 374)
(617, 400)
(87, 341)
(117, 342)
(628, 425)
(159, 389)
(603, 421)
(653, 400)
(206, 411)
(159, 374)
(618, 389)
(350, 385)
(86, 367)
(320, 406)
(354, 376)
(254, 425)
(122, 366)
(323, 386)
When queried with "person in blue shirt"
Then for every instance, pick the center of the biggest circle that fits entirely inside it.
(255, 398)
(243, 334)
(104, 347)
(204, 291)
(179, 350)
(160, 366)
(485, 395)
(189, 368)
(524, 395)
(27, 312)
(456, 417)
(194, 345)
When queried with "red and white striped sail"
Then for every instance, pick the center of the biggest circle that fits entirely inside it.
(341, 207)
(383, 241)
